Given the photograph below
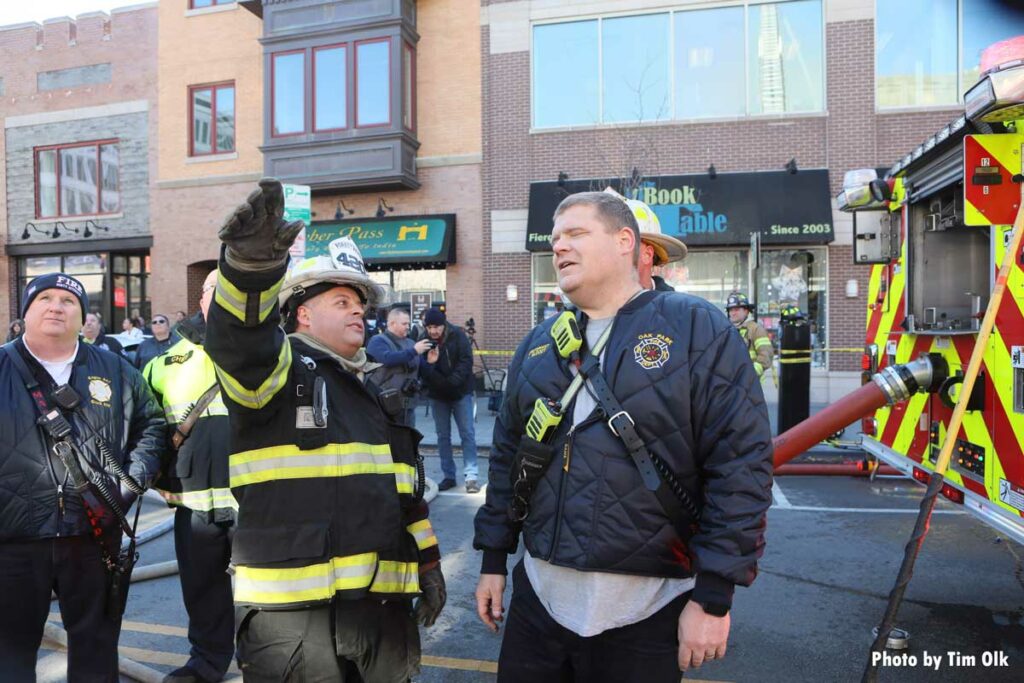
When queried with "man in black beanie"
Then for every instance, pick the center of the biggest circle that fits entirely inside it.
(57, 534)
(448, 376)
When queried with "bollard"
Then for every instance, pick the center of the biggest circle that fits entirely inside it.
(794, 369)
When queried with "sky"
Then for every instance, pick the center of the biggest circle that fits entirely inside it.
(17, 11)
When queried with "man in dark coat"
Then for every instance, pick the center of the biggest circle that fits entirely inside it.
(47, 529)
(646, 505)
(447, 373)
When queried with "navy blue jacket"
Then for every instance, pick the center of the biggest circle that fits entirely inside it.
(677, 366)
(116, 405)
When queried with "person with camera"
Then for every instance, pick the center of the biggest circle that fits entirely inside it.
(448, 377)
(80, 437)
(399, 357)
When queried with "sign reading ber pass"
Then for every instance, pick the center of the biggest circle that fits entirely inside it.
(297, 207)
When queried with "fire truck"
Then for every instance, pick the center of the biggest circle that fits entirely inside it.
(934, 230)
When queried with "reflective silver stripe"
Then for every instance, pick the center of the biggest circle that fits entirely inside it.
(289, 462)
(261, 396)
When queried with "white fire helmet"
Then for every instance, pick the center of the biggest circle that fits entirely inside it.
(343, 266)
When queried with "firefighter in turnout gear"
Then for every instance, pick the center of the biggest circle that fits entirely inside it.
(195, 481)
(333, 542)
(759, 345)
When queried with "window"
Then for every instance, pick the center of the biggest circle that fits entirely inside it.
(330, 101)
(561, 50)
(373, 83)
(340, 84)
(915, 56)
(709, 52)
(764, 58)
(408, 87)
(77, 180)
(917, 41)
(784, 52)
(212, 112)
(634, 68)
(288, 73)
(199, 4)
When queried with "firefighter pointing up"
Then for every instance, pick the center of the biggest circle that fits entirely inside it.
(759, 345)
(332, 541)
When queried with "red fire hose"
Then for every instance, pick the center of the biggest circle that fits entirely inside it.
(851, 408)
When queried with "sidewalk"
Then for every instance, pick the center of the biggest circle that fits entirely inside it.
(485, 428)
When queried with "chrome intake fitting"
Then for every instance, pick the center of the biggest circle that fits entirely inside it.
(900, 382)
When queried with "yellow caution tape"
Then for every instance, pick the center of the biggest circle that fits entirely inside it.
(787, 361)
(818, 350)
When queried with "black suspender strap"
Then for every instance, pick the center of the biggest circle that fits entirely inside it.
(674, 499)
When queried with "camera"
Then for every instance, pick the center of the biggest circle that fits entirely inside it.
(431, 344)
(411, 386)
(470, 327)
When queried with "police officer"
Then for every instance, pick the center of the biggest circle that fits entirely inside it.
(195, 481)
(333, 542)
(759, 345)
(47, 542)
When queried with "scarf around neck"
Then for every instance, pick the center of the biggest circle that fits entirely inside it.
(358, 364)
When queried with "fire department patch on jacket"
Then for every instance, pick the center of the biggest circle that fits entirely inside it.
(100, 391)
(651, 351)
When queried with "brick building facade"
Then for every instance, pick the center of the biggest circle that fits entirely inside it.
(847, 131)
(79, 110)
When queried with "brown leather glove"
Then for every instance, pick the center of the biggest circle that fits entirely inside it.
(256, 235)
(430, 604)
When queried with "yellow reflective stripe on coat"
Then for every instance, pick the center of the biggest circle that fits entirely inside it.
(201, 501)
(290, 462)
(423, 532)
(259, 397)
(762, 341)
(234, 301)
(265, 586)
(405, 477)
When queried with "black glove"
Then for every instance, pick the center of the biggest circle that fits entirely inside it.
(256, 235)
(430, 604)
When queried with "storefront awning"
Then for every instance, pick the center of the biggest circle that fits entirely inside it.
(786, 208)
(386, 243)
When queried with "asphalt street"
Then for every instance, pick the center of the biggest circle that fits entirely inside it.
(833, 549)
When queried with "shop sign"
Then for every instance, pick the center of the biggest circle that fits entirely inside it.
(785, 208)
(402, 240)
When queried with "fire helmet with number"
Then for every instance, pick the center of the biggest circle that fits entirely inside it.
(343, 265)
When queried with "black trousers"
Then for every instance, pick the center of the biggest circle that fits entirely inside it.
(204, 551)
(345, 642)
(537, 649)
(72, 567)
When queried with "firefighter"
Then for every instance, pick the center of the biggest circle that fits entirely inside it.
(333, 542)
(195, 481)
(759, 345)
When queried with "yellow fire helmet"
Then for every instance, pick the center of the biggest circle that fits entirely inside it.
(667, 249)
(342, 266)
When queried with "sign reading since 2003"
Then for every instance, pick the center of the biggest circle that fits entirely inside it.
(785, 208)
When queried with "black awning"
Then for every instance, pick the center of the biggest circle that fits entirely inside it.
(786, 208)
